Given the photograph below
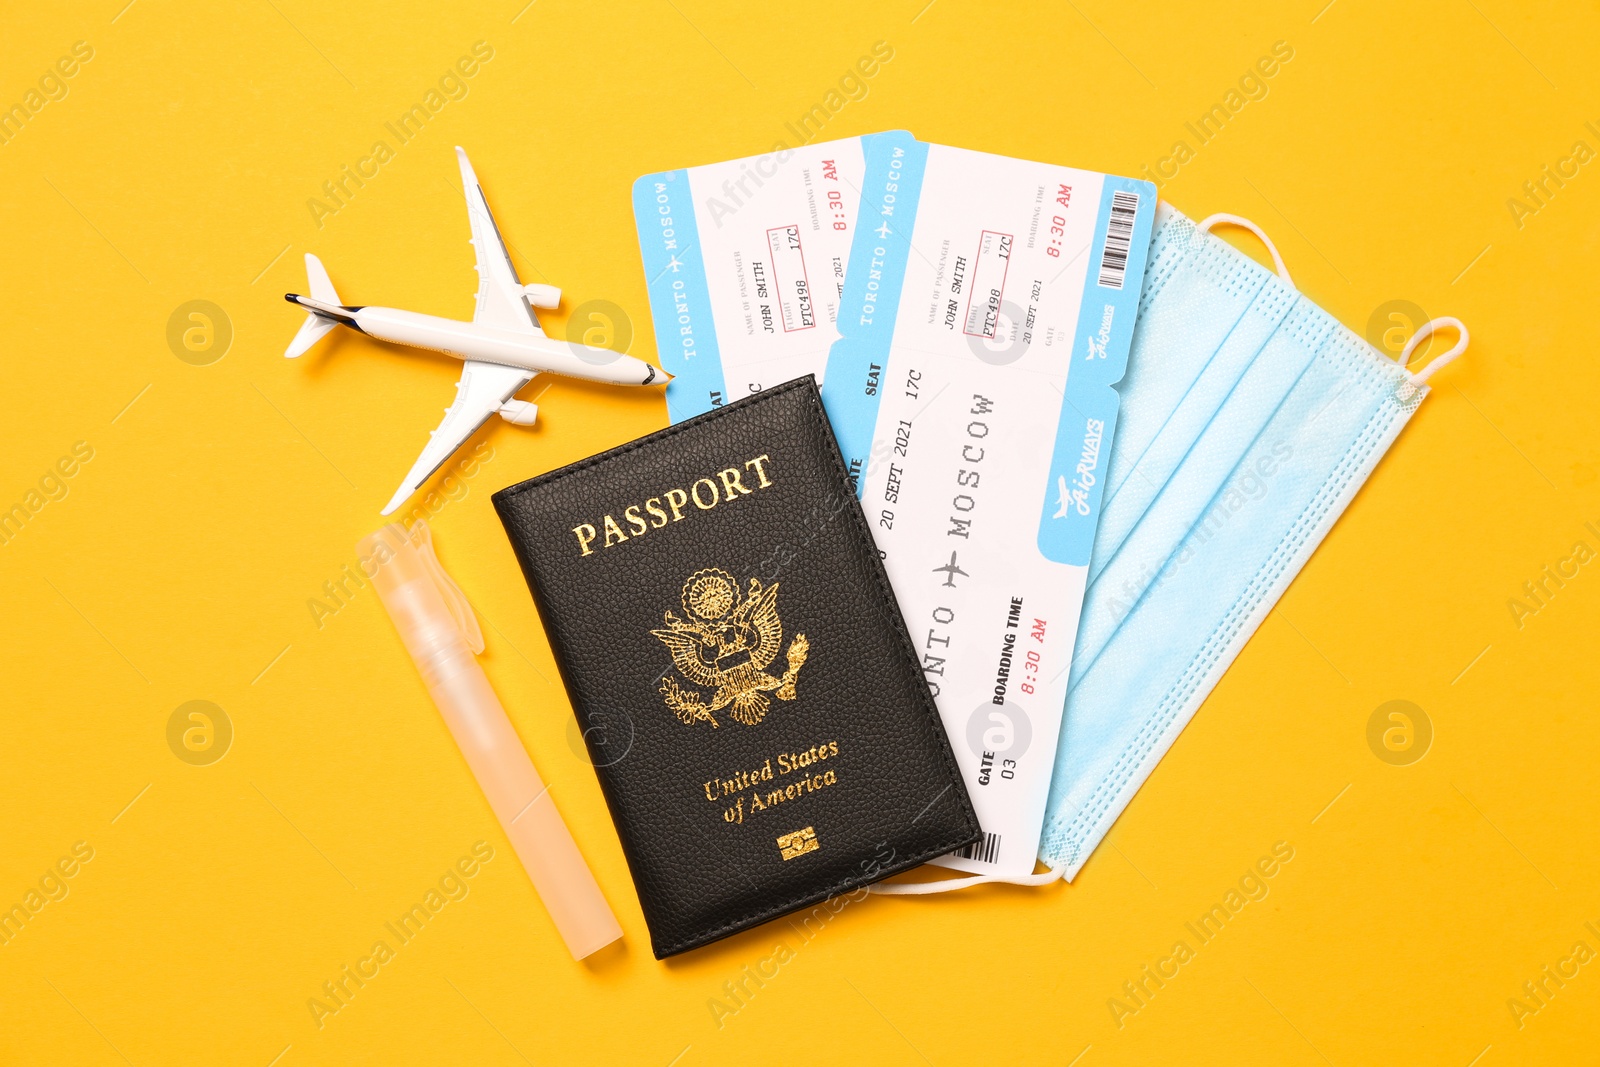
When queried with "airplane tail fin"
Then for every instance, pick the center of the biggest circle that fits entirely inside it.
(316, 326)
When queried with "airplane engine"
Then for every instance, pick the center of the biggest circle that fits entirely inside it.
(519, 412)
(542, 296)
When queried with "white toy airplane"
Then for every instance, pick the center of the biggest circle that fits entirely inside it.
(502, 348)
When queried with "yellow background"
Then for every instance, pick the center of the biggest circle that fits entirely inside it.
(180, 563)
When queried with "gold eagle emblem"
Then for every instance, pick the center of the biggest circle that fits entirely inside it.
(724, 643)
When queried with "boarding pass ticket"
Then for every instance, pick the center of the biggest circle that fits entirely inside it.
(987, 310)
(745, 262)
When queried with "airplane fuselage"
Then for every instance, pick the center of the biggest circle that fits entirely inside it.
(491, 344)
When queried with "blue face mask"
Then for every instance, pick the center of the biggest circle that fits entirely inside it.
(1249, 419)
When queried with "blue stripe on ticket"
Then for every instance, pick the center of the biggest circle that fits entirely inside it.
(680, 302)
(1099, 357)
(850, 389)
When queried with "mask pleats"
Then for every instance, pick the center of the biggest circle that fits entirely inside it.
(1184, 427)
(1255, 417)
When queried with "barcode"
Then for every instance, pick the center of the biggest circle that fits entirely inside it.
(1119, 238)
(983, 851)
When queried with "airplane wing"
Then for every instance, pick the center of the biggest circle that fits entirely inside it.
(500, 298)
(480, 392)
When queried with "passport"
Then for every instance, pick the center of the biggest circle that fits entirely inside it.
(753, 706)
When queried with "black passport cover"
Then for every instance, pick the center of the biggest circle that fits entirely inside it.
(752, 704)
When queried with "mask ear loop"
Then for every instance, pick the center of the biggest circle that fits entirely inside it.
(1427, 330)
(1205, 225)
(947, 885)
